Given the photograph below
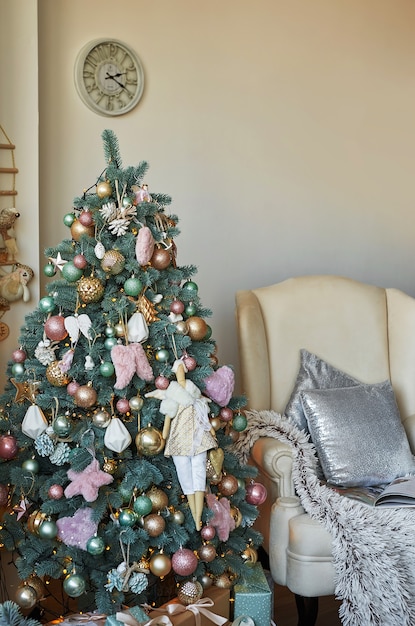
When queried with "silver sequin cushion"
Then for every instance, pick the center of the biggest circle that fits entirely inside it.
(358, 434)
(314, 373)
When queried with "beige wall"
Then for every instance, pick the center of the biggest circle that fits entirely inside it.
(19, 118)
(284, 131)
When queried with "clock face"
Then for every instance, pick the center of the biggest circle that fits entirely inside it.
(109, 77)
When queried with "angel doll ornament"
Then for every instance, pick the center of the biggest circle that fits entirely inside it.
(188, 435)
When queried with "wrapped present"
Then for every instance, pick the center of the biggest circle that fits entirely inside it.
(131, 616)
(253, 597)
(80, 619)
(212, 609)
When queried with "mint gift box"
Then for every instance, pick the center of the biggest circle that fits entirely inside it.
(253, 596)
(135, 611)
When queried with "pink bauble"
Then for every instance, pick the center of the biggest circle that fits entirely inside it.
(184, 562)
(19, 356)
(55, 328)
(8, 447)
(162, 382)
(123, 406)
(208, 532)
(226, 414)
(80, 261)
(72, 387)
(55, 492)
(255, 494)
(190, 363)
(177, 307)
(86, 219)
(4, 495)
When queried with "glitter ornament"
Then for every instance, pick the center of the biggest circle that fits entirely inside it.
(190, 363)
(19, 356)
(154, 524)
(197, 328)
(72, 387)
(133, 286)
(90, 289)
(71, 273)
(80, 261)
(184, 562)
(86, 218)
(113, 262)
(161, 382)
(190, 287)
(223, 581)
(122, 406)
(228, 485)
(8, 447)
(85, 396)
(226, 414)
(143, 505)
(189, 592)
(55, 376)
(55, 492)
(207, 532)
(207, 552)
(55, 328)
(177, 307)
(74, 585)
(239, 422)
(159, 499)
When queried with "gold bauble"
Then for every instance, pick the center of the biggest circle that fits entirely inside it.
(161, 259)
(103, 189)
(110, 466)
(228, 485)
(181, 328)
(237, 515)
(90, 289)
(189, 592)
(149, 441)
(85, 396)
(26, 596)
(101, 418)
(38, 585)
(55, 376)
(154, 524)
(78, 229)
(159, 499)
(119, 329)
(223, 581)
(113, 262)
(34, 521)
(197, 328)
(216, 423)
(249, 555)
(160, 564)
(207, 552)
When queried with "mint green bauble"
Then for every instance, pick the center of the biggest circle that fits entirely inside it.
(71, 273)
(68, 219)
(127, 517)
(95, 546)
(48, 529)
(106, 369)
(133, 286)
(74, 585)
(239, 422)
(49, 270)
(47, 304)
(143, 505)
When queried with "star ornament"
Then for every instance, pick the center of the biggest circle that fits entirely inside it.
(26, 390)
(87, 482)
(58, 262)
(21, 508)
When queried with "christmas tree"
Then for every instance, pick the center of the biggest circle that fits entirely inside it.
(117, 423)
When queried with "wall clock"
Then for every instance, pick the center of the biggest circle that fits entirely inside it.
(109, 77)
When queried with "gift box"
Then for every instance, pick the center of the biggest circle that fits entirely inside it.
(131, 616)
(79, 619)
(253, 597)
(211, 609)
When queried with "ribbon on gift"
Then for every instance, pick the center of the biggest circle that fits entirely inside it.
(201, 607)
(83, 618)
(129, 620)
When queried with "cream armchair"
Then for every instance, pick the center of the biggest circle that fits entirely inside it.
(366, 331)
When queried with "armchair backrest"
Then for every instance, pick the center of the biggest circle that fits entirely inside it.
(366, 331)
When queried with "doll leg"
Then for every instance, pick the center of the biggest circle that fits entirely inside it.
(191, 472)
(184, 474)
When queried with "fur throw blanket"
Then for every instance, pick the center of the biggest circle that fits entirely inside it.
(373, 547)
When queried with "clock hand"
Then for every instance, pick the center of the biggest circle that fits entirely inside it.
(115, 80)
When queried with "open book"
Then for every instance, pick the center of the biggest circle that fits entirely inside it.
(400, 492)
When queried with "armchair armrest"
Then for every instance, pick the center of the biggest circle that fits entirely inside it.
(409, 425)
(274, 461)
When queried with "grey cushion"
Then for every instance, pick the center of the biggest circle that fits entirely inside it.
(358, 434)
(314, 373)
